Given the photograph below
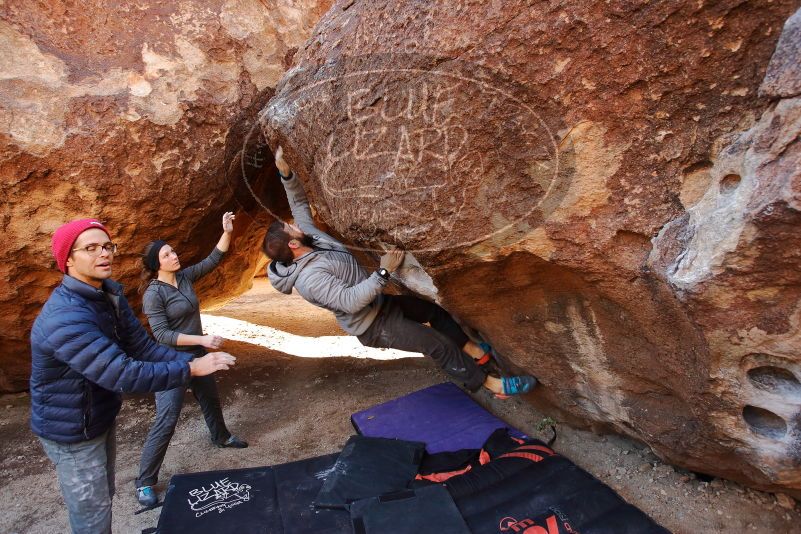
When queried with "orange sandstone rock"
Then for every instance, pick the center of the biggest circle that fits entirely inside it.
(599, 189)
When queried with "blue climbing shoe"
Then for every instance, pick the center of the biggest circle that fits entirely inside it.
(146, 496)
(515, 385)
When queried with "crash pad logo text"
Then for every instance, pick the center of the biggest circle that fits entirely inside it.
(221, 495)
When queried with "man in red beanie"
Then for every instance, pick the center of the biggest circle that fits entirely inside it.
(87, 347)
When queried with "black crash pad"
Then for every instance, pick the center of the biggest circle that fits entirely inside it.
(274, 500)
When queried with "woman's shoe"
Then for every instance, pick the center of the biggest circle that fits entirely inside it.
(233, 442)
(146, 496)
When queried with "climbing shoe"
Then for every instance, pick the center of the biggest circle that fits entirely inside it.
(487, 362)
(233, 442)
(146, 496)
(515, 385)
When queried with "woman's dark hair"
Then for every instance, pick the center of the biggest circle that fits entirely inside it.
(276, 244)
(147, 273)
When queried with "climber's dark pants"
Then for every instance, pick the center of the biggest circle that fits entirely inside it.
(399, 325)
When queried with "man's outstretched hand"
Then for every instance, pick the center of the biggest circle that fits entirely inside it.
(211, 362)
(280, 162)
(392, 259)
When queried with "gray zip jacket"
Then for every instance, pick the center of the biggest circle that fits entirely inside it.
(172, 311)
(329, 276)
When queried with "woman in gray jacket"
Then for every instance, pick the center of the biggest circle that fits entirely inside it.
(173, 311)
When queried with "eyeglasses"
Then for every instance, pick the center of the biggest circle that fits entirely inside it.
(96, 250)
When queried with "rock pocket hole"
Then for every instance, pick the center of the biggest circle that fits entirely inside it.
(775, 380)
(729, 183)
(764, 422)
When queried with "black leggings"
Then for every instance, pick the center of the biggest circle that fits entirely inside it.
(399, 325)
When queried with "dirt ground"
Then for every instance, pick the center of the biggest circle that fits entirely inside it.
(291, 407)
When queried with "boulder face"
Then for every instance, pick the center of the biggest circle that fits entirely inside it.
(599, 189)
(140, 114)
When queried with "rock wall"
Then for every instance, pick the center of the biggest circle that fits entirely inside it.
(600, 189)
(136, 113)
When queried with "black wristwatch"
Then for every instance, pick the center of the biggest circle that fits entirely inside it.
(383, 273)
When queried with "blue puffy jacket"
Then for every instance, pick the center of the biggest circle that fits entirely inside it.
(87, 347)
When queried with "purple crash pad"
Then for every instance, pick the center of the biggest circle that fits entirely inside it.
(444, 417)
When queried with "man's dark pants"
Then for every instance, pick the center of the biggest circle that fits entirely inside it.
(399, 325)
(168, 408)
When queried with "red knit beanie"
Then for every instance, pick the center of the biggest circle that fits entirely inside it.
(66, 235)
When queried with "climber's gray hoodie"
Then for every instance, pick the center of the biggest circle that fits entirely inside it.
(329, 276)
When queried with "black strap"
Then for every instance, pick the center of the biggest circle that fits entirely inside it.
(148, 508)
(397, 496)
(358, 525)
(150, 530)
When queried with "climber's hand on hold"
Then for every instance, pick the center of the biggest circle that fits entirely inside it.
(392, 259)
(228, 222)
(280, 162)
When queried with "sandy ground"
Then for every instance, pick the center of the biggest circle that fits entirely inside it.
(291, 407)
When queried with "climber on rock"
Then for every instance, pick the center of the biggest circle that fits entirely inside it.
(327, 275)
(87, 347)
